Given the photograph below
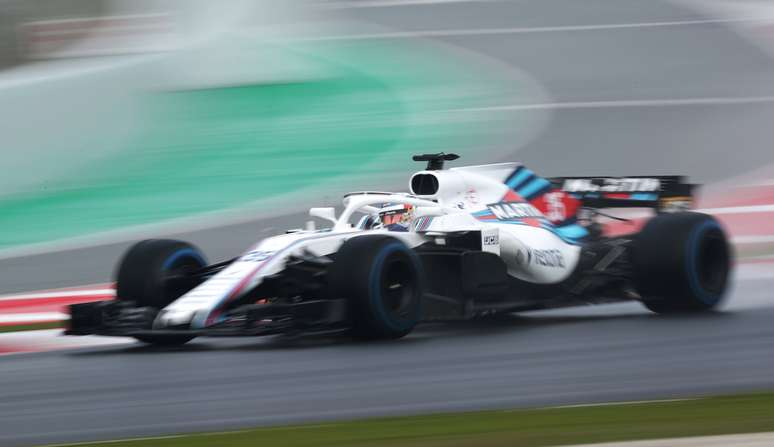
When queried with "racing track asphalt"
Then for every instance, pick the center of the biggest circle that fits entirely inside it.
(618, 352)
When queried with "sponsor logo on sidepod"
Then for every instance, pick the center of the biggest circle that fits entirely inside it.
(546, 258)
(513, 210)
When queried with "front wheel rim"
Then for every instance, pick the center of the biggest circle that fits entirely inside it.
(398, 289)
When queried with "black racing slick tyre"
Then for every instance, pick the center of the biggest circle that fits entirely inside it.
(681, 263)
(143, 275)
(381, 278)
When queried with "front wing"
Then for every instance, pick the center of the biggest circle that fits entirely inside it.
(118, 318)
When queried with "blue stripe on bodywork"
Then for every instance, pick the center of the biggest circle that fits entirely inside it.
(573, 231)
(567, 234)
(644, 196)
(533, 187)
(518, 179)
(482, 213)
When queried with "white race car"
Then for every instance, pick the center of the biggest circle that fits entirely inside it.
(463, 243)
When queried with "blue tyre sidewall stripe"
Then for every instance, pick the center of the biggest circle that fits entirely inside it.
(374, 282)
(181, 254)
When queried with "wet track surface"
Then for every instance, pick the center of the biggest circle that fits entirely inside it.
(618, 352)
(554, 358)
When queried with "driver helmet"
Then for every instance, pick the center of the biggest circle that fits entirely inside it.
(396, 217)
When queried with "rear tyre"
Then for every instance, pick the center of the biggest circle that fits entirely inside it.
(143, 275)
(382, 280)
(682, 263)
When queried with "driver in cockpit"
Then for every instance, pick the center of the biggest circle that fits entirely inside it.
(396, 217)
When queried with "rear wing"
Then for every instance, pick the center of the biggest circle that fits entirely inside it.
(664, 193)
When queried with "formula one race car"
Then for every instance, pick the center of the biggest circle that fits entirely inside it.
(465, 242)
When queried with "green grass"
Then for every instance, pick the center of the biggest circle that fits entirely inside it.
(32, 327)
(535, 427)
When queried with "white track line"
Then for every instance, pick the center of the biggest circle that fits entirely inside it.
(715, 101)
(630, 402)
(531, 30)
(102, 285)
(32, 318)
(61, 294)
(392, 3)
(129, 440)
(762, 239)
(739, 209)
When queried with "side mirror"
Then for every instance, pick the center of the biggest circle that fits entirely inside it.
(328, 214)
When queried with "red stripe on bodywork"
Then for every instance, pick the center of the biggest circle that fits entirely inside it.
(617, 195)
(512, 196)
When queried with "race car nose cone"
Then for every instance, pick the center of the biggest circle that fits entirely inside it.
(167, 318)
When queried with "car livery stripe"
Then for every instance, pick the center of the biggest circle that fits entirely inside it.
(483, 213)
(511, 196)
(533, 188)
(568, 233)
(423, 223)
(234, 293)
(519, 177)
(572, 231)
(644, 196)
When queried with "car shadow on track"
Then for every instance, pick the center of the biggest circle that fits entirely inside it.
(502, 324)
(544, 320)
(255, 344)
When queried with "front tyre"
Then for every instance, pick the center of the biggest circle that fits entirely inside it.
(381, 278)
(682, 263)
(145, 277)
